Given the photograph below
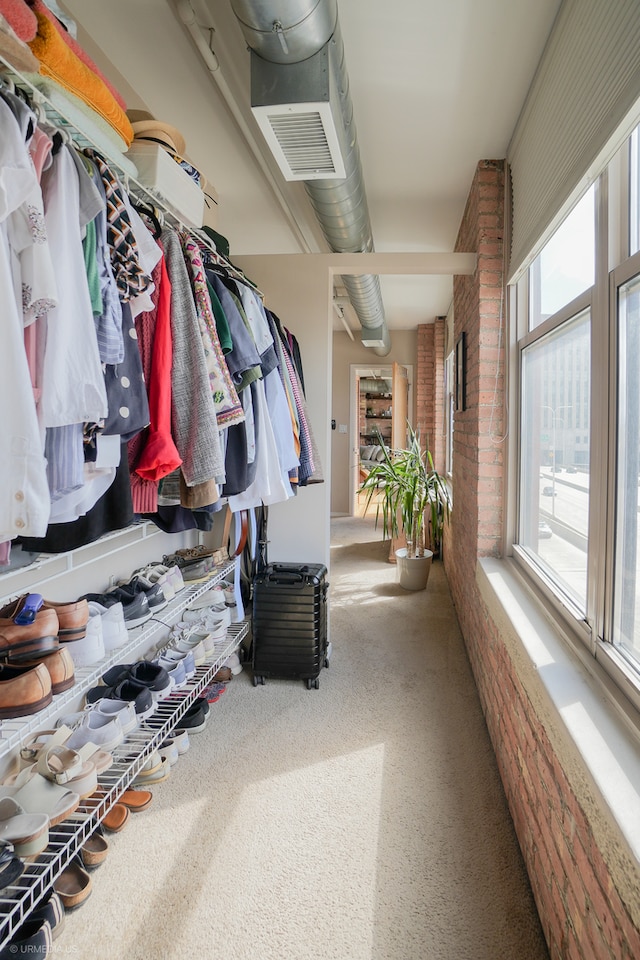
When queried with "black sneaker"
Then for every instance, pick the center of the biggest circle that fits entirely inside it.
(195, 719)
(153, 676)
(149, 675)
(152, 591)
(133, 692)
(136, 607)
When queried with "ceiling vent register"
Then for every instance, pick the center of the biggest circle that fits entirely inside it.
(295, 108)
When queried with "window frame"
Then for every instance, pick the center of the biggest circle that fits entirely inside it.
(589, 635)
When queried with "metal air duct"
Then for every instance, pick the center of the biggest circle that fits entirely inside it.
(283, 34)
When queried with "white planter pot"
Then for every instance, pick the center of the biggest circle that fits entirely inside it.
(413, 572)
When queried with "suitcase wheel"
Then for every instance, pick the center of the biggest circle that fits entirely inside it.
(257, 679)
(315, 684)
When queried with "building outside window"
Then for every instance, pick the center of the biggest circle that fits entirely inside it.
(577, 318)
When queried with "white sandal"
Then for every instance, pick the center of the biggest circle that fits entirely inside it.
(45, 739)
(28, 832)
(36, 794)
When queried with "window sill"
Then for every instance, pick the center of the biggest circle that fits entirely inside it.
(591, 726)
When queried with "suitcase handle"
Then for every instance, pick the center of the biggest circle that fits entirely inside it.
(287, 578)
(282, 575)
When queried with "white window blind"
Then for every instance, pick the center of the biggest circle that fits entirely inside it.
(583, 102)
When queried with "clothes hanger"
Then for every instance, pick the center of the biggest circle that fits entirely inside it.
(151, 213)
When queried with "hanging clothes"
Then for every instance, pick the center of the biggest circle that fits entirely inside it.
(195, 428)
(24, 491)
(228, 406)
(153, 454)
(73, 388)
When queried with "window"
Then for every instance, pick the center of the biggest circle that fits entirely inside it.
(553, 495)
(578, 341)
(566, 266)
(626, 606)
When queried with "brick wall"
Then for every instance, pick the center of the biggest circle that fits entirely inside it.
(429, 378)
(581, 910)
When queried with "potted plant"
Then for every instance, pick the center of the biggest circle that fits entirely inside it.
(409, 489)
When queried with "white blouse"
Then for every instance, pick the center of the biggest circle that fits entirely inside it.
(24, 492)
(73, 388)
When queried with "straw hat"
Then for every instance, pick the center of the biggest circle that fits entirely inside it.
(146, 127)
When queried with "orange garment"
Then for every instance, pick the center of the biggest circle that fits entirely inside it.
(58, 61)
(38, 6)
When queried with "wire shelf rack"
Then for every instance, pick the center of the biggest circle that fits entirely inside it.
(66, 839)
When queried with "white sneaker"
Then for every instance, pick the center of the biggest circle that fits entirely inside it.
(218, 627)
(219, 611)
(114, 628)
(181, 740)
(89, 649)
(175, 669)
(174, 575)
(229, 592)
(105, 732)
(124, 710)
(169, 751)
(173, 656)
(213, 597)
(197, 649)
(198, 634)
(233, 662)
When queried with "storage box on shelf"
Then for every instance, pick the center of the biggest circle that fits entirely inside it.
(17, 901)
(159, 172)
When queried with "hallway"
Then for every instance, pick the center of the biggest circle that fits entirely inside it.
(362, 821)
(447, 842)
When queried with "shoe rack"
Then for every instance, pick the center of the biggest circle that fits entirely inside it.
(65, 839)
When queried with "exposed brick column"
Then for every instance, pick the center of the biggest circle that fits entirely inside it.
(430, 389)
(477, 452)
(424, 383)
(438, 448)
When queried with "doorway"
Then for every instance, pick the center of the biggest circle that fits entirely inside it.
(380, 401)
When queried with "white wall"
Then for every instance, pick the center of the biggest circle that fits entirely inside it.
(298, 290)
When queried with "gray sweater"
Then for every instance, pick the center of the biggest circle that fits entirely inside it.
(193, 415)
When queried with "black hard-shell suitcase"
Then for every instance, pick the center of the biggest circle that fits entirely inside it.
(290, 622)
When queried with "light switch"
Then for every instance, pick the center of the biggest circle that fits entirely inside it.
(342, 428)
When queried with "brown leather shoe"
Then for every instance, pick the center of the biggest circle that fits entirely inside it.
(72, 618)
(26, 641)
(24, 692)
(60, 667)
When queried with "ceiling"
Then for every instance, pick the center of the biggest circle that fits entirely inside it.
(435, 87)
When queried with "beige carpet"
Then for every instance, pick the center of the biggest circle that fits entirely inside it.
(361, 821)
